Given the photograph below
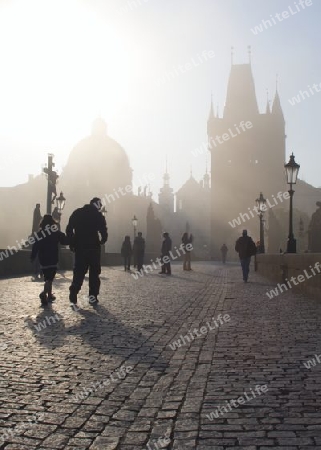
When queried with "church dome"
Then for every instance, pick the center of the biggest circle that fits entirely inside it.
(97, 164)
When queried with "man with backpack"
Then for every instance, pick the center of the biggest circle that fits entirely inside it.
(246, 248)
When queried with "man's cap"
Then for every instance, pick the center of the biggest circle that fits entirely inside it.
(95, 200)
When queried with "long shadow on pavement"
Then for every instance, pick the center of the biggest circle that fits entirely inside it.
(99, 329)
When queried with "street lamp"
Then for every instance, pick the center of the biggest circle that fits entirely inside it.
(60, 202)
(135, 223)
(292, 170)
(261, 208)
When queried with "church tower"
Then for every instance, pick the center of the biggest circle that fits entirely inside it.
(247, 157)
(166, 194)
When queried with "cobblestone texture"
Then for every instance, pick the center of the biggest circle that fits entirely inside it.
(167, 393)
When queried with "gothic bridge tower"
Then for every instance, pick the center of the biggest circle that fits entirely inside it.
(247, 157)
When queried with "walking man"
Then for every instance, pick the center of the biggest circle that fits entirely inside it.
(87, 231)
(166, 248)
(246, 248)
(139, 250)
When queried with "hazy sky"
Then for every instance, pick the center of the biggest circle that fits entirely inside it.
(65, 62)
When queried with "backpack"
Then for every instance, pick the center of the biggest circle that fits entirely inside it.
(251, 248)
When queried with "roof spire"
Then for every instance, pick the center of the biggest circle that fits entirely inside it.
(276, 107)
(206, 178)
(211, 114)
(268, 110)
(217, 111)
(232, 56)
(249, 50)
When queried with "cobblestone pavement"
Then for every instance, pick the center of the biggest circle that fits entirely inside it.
(67, 372)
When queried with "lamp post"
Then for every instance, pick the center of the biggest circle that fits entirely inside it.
(60, 204)
(292, 170)
(261, 208)
(135, 223)
(301, 233)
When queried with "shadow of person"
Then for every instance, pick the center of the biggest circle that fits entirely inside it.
(105, 332)
(48, 327)
(99, 329)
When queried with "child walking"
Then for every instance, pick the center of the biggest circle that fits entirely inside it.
(46, 248)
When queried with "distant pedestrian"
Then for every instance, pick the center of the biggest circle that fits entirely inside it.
(139, 250)
(36, 218)
(187, 239)
(165, 254)
(245, 246)
(126, 252)
(47, 250)
(224, 251)
(87, 231)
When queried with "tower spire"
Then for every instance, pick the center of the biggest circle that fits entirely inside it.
(232, 56)
(206, 178)
(268, 110)
(211, 114)
(249, 50)
(276, 107)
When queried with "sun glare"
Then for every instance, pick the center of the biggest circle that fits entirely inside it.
(62, 65)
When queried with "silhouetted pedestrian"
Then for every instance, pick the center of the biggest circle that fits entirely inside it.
(224, 251)
(187, 239)
(165, 254)
(46, 248)
(126, 252)
(139, 250)
(87, 231)
(245, 246)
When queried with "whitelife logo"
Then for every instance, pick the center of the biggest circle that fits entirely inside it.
(245, 216)
(229, 405)
(292, 10)
(295, 281)
(181, 69)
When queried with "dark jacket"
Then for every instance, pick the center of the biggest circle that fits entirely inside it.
(245, 247)
(166, 246)
(47, 248)
(126, 249)
(84, 225)
(139, 245)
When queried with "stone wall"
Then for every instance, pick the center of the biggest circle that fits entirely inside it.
(18, 263)
(304, 267)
